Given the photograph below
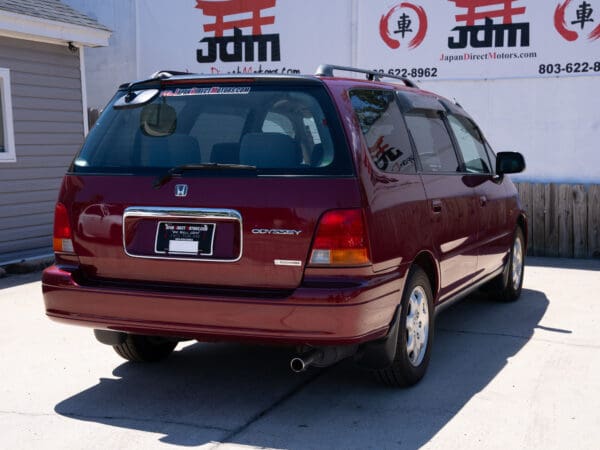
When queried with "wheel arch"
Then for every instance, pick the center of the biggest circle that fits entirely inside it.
(522, 223)
(426, 261)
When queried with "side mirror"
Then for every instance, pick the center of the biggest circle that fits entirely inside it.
(509, 162)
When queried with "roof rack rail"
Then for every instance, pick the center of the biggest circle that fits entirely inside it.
(326, 70)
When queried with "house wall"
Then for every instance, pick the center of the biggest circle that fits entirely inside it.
(48, 125)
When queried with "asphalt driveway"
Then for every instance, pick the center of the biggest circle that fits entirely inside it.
(522, 375)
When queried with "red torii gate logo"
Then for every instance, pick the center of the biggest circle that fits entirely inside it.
(404, 26)
(489, 34)
(237, 47)
(583, 17)
(506, 11)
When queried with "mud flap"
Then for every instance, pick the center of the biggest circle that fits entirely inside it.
(380, 354)
(110, 337)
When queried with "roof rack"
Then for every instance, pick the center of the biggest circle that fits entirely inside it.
(326, 70)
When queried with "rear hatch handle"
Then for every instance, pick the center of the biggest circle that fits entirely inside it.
(178, 170)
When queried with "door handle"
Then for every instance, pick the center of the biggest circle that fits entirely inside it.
(483, 200)
(436, 206)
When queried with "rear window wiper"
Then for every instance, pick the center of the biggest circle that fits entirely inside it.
(178, 170)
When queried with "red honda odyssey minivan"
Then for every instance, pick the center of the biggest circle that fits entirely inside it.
(330, 214)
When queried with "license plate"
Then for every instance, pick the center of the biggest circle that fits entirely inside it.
(190, 239)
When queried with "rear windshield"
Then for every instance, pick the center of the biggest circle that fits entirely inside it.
(279, 130)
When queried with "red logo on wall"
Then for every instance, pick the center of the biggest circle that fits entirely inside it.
(238, 46)
(408, 20)
(582, 17)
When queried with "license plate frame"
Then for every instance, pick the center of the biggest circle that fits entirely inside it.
(192, 239)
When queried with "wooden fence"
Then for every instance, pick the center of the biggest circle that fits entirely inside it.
(564, 219)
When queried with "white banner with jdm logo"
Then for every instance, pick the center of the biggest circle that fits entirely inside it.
(480, 39)
(421, 39)
(244, 36)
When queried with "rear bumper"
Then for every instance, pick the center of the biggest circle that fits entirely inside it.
(320, 315)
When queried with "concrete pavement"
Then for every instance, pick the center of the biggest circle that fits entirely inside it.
(522, 375)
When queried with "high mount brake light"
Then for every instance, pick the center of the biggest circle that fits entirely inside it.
(341, 240)
(62, 230)
(211, 81)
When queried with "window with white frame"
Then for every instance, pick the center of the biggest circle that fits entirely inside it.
(7, 136)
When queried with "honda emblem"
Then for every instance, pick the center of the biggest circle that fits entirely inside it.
(181, 190)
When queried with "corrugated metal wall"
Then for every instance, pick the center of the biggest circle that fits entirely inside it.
(48, 122)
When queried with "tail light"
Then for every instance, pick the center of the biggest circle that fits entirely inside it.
(341, 239)
(62, 230)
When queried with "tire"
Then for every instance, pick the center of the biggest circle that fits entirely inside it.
(507, 286)
(139, 348)
(415, 327)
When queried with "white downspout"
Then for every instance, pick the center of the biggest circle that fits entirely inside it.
(84, 100)
(354, 35)
(137, 41)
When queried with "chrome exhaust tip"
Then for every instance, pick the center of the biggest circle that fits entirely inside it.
(300, 363)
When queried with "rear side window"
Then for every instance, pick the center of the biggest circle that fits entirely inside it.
(384, 130)
(278, 129)
(470, 144)
(432, 141)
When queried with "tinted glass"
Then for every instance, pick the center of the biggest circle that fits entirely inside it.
(277, 129)
(432, 141)
(491, 156)
(470, 144)
(384, 130)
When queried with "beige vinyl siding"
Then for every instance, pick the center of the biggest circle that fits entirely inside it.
(48, 125)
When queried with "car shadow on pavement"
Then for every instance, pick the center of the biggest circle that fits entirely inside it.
(247, 395)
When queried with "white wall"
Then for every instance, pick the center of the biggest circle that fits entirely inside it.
(107, 67)
(554, 122)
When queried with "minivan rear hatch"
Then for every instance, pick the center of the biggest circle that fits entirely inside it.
(208, 183)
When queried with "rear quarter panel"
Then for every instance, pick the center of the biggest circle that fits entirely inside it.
(395, 204)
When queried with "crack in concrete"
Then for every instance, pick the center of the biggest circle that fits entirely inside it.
(117, 418)
(518, 336)
(277, 403)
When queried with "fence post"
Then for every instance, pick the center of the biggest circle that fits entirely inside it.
(593, 222)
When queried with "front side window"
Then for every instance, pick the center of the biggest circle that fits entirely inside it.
(384, 130)
(7, 139)
(470, 144)
(432, 141)
(492, 156)
(275, 129)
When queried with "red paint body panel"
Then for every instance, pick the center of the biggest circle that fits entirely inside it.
(265, 203)
(309, 314)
